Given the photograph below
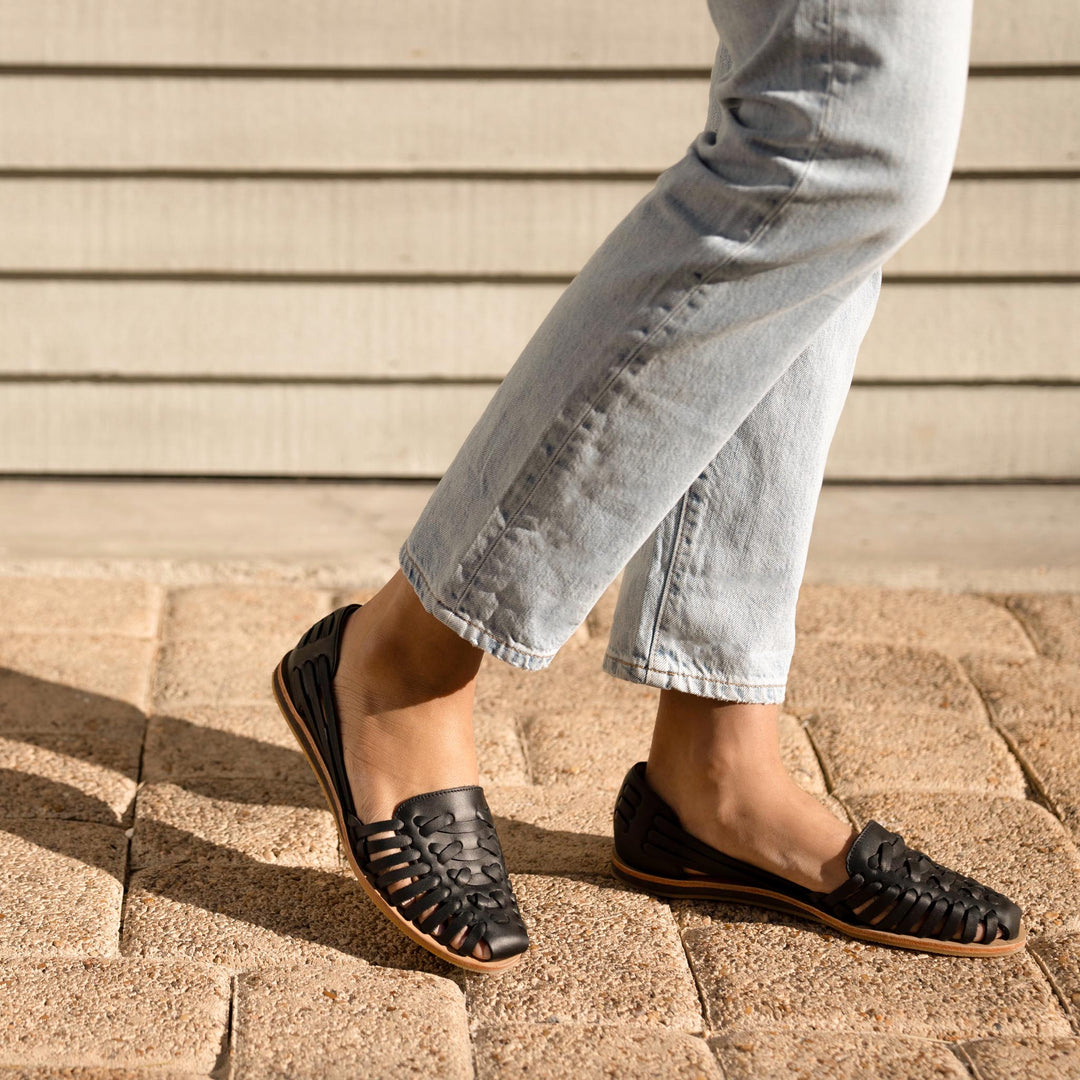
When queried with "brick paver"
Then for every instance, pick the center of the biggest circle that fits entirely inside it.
(1036, 705)
(109, 667)
(319, 1021)
(203, 742)
(827, 1056)
(1052, 620)
(235, 671)
(110, 1013)
(881, 751)
(951, 623)
(167, 852)
(88, 772)
(34, 605)
(516, 1051)
(1025, 1059)
(62, 888)
(238, 612)
(280, 822)
(787, 975)
(599, 953)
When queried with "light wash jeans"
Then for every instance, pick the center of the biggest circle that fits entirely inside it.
(672, 413)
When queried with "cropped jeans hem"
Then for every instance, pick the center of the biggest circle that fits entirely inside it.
(464, 627)
(748, 692)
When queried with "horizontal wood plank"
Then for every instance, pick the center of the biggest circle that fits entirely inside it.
(572, 125)
(417, 34)
(468, 331)
(451, 227)
(957, 433)
(899, 433)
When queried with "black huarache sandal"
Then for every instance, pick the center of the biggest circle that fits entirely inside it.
(447, 838)
(913, 902)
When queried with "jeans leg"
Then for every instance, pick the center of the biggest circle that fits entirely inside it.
(707, 603)
(831, 132)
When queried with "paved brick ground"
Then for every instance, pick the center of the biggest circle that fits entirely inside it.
(174, 902)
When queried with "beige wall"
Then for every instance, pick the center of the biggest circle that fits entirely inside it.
(270, 238)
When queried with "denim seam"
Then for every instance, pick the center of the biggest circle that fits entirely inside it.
(667, 577)
(689, 674)
(453, 611)
(703, 279)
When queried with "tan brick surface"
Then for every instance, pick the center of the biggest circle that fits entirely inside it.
(275, 822)
(918, 702)
(73, 1072)
(47, 605)
(598, 953)
(580, 725)
(794, 975)
(244, 914)
(211, 672)
(1061, 958)
(825, 1056)
(880, 751)
(110, 666)
(1012, 845)
(28, 703)
(514, 1051)
(87, 773)
(1025, 1059)
(497, 721)
(110, 1013)
(798, 755)
(209, 741)
(1052, 620)
(585, 729)
(835, 676)
(929, 619)
(1027, 690)
(553, 831)
(61, 888)
(1037, 704)
(562, 754)
(278, 614)
(1052, 754)
(371, 1022)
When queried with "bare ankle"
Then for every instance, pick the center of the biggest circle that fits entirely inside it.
(716, 740)
(396, 642)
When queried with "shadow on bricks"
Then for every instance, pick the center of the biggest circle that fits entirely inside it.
(197, 880)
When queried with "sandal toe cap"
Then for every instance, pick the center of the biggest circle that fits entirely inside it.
(1008, 916)
(506, 939)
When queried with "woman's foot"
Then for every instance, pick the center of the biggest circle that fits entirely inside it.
(717, 764)
(404, 691)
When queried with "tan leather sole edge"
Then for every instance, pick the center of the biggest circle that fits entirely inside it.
(709, 889)
(322, 774)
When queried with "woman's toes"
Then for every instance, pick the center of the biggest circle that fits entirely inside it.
(980, 933)
(481, 950)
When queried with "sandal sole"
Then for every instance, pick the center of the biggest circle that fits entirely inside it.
(713, 889)
(322, 774)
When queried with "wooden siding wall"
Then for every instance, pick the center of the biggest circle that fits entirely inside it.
(260, 237)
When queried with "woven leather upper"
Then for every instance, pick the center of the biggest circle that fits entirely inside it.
(907, 887)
